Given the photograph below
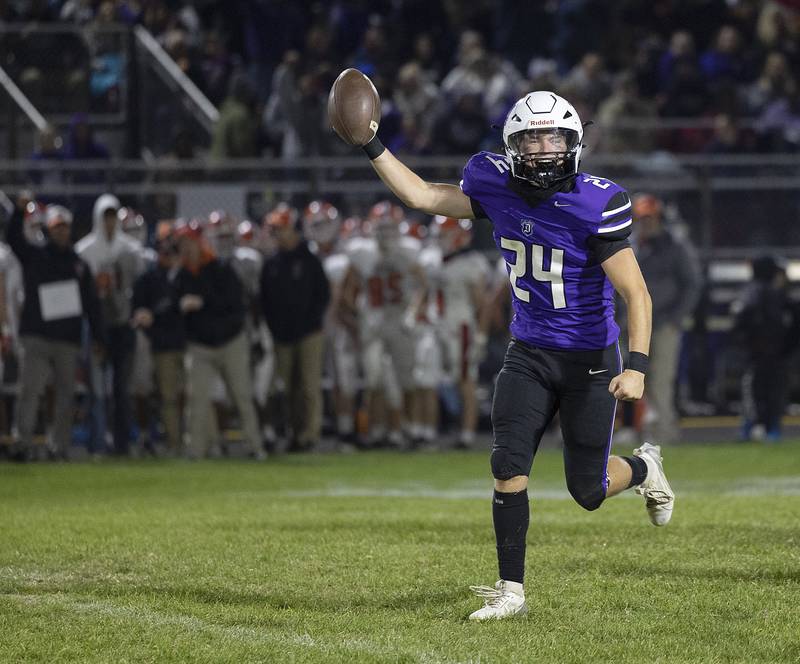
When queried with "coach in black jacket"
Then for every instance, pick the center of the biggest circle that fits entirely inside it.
(211, 298)
(294, 296)
(59, 294)
(155, 310)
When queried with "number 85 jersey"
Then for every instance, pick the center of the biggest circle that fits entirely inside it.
(553, 248)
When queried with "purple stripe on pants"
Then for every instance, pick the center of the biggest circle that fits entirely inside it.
(611, 430)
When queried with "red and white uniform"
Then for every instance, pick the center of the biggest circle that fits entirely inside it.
(461, 273)
(454, 289)
(322, 226)
(388, 268)
(429, 358)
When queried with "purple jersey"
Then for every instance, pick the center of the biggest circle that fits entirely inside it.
(561, 296)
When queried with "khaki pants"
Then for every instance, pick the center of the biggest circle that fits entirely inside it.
(232, 362)
(660, 382)
(299, 366)
(39, 356)
(171, 379)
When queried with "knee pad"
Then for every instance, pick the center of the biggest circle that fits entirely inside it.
(588, 492)
(501, 466)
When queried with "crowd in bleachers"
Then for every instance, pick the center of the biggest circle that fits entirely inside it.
(446, 71)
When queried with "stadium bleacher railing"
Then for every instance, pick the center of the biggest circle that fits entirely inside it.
(731, 205)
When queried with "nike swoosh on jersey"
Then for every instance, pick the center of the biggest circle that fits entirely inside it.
(557, 204)
(592, 372)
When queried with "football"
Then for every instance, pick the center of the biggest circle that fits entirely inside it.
(354, 107)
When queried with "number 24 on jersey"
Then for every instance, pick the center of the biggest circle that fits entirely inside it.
(519, 269)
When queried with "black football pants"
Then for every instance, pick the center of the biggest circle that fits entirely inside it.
(533, 385)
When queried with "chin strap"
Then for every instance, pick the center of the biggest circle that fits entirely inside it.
(534, 195)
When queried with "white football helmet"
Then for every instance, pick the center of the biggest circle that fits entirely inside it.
(384, 221)
(542, 136)
(321, 222)
(222, 233)
(452, 234)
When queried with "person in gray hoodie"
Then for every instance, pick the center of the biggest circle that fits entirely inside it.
(115, 260)
(672, 271)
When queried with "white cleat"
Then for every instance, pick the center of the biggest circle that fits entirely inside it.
(505, 600)
(658, 495)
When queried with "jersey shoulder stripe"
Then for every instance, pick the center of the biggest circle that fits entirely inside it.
(616, 227)
(609, 212)
(617, 218)
(619, 202)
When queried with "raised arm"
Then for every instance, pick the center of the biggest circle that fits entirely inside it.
(354, 110)
(15, 235)
(430, 197)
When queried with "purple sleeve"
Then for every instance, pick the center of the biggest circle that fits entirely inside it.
(484, 173)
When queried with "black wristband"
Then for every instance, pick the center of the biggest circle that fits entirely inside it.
(374, 148)
(638, 362)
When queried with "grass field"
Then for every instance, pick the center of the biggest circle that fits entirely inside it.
(368, 558)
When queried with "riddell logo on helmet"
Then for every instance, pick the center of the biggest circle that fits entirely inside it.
(538, 123)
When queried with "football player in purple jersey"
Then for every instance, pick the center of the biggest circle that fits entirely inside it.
(564, 236)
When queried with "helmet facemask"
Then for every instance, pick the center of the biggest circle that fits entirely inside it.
(544, 157)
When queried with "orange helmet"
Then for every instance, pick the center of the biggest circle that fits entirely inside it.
(384, 221)
(321, 222)
(246, 231)
(647, 205)
(220, 223)
(384, 210)
(414, 229)
(191, 228)
(452, 234)
(282, 216)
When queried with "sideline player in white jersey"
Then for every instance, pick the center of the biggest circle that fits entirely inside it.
(459, 291)
(248, 261)
(384, 286)
(12, 296)
(429, 362)
(223, 234)
(322, 226)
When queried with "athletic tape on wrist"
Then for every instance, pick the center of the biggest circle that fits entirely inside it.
(374, 148)
(638, 362)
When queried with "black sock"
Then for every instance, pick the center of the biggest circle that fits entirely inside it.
(639, 468)
(511, 516)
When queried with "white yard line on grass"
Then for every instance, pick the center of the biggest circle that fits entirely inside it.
(416, 491)
(752, 486)
(248, 635)
(788, 485)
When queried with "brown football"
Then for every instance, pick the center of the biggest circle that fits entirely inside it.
(354, 107)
